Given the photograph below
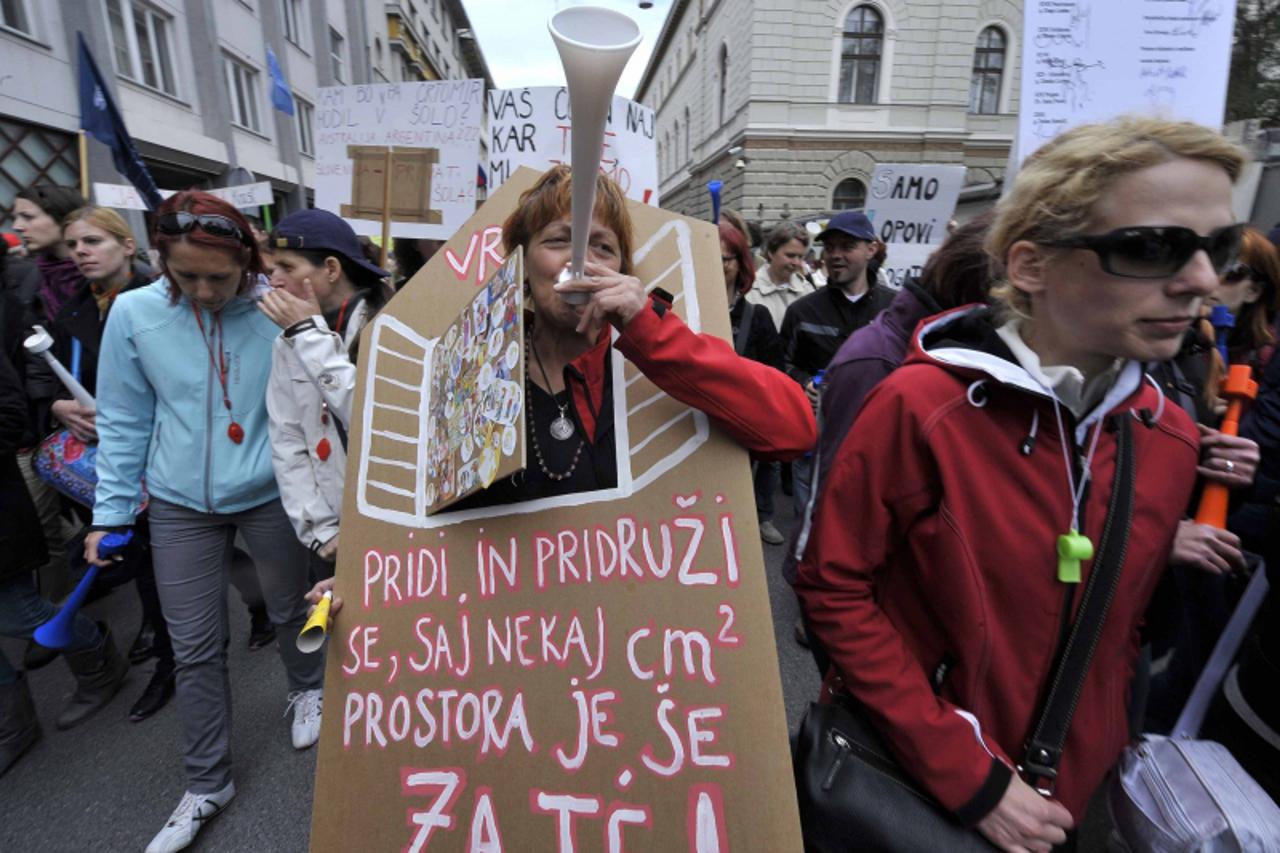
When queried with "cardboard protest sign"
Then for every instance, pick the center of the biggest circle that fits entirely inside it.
(430, 132)
(581, 672)
(532, 126)
(1084, 61)
(909, 207)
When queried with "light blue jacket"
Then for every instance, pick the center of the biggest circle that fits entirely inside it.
(160, 409)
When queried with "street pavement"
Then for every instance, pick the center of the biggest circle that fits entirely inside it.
(110, 784)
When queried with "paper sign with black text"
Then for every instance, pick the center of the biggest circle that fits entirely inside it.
(430, 134)
(532, 126)
(909, 205)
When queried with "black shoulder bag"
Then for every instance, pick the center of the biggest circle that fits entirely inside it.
(853, 794)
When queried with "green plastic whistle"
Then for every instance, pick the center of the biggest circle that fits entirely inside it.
(1072, 548)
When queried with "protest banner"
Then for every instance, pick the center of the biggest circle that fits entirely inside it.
(431, 134)
(583, 672)
(532, 126)
(1085, 61)
(909, 207)
(125, 197)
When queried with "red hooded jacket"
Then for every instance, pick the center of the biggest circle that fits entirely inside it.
(930, 576)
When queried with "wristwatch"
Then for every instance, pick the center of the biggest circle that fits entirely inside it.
(300, 326)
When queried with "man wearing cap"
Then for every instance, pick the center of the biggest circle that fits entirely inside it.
(816, 325)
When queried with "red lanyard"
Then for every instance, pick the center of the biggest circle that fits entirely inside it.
(342, 313)
(218, 361)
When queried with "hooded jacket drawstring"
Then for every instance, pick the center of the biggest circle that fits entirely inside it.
(1029, 443)
(1148, 419)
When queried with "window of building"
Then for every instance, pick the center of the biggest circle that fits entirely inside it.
(850, 194)
(141, 45)
(337, 64)
(305, 116)
(294, 14)
(675, 151)
(724, 80)
(242, 84)
(860, 54)
(988, 72)
(688, 149)
(15, 15)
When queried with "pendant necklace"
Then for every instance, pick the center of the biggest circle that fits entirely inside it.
(235, 432)
(1074, 546)
(562, 428)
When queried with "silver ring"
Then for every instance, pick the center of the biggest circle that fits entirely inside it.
(1231, 466)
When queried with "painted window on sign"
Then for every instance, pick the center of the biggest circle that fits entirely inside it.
(860, 54)
(141, 45)
(988, 72)
(850, 194)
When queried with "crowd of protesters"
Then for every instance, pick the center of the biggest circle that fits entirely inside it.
(938, 442)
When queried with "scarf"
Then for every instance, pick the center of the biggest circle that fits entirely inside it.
(59, 281)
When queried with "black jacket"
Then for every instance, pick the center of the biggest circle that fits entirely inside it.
(816, 325)
(21, 539)
(763, 343)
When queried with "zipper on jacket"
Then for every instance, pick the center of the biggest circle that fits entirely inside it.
(208, 435)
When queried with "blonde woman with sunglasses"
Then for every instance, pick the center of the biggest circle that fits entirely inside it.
(933, 575)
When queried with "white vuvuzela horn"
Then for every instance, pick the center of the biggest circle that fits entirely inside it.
(594, 46)
(39, 344)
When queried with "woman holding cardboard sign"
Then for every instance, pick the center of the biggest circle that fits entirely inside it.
(569, 391)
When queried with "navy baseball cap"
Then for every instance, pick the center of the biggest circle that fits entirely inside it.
(851, 222)
(321, 231)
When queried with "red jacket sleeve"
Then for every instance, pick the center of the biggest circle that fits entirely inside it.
(762, 408)
(882, 481)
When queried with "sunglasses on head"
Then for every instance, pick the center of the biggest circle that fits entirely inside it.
(213, 224)
(1156, 251)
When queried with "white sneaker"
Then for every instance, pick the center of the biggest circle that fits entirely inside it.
(306, 705)
(188, 818)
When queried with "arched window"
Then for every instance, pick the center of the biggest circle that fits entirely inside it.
(724, 79)
(850, 194)
(675, 149)
(860, 53)
(688, 151)
(988, 72)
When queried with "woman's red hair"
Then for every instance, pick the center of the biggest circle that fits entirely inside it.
(199, 203)
(737, 244)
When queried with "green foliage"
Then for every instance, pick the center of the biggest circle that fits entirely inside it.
(1253, 90)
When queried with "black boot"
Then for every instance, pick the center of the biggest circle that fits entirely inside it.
(158, 693)
(144, 645)
(99, 672)
(261, 632)
(37, 656)
(19, 728)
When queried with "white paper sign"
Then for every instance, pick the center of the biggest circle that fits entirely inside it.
(909, 206)
(125, 197)
(532, 127)
(1089, 60)
(443, 117)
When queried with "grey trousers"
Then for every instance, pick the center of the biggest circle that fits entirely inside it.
(191, 551)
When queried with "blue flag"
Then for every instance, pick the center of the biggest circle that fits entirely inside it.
(100, 119)
(281, 97)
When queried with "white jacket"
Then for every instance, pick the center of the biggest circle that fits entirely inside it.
(309, 371)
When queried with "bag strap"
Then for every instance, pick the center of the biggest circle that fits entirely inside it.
(744, 327)
(1224, 651)
(1044, 747)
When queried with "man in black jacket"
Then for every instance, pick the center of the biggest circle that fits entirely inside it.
(817, 324)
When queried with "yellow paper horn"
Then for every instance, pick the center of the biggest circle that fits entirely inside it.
(311, 638)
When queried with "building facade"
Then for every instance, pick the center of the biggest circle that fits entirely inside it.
(792, 105)
(191, 79)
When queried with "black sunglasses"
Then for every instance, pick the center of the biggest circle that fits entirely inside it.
(213, 224)
(1156, 251)
(1239, 271)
